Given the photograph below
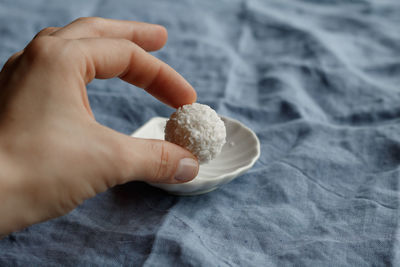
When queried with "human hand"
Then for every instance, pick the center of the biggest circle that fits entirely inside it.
(53, 154)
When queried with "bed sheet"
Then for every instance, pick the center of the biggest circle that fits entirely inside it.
(319, 83)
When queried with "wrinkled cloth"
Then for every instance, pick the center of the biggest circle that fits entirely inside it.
(318, 82)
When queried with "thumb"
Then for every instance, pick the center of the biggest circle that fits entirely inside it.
(154, 161)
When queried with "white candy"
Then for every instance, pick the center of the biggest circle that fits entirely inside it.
(199, 129)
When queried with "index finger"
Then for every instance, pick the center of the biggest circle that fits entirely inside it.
(107, 58)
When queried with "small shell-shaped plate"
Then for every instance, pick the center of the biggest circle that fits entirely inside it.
(240, 152)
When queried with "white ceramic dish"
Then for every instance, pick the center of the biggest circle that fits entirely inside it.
(241, 151)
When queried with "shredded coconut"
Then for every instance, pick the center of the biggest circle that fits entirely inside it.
(199, 129)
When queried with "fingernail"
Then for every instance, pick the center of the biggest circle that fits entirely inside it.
(187, 169)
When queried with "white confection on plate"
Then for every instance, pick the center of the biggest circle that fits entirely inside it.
(199, 129)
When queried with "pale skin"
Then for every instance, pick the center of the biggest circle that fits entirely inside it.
(53, 153)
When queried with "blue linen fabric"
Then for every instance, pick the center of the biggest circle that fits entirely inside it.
(319, 83)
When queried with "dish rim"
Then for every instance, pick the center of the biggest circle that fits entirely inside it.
(218, 180)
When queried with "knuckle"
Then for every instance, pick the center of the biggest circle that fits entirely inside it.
(45, 31)
(47, 50)
(12, 59)
(94, 22)
(38, 48)
(85, 19)
(162, 169)
(15, 55)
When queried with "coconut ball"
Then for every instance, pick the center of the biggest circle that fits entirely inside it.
(199, 129)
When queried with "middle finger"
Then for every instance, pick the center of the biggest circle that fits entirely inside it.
(150, 37)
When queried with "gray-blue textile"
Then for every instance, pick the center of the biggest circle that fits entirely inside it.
(319, 83)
